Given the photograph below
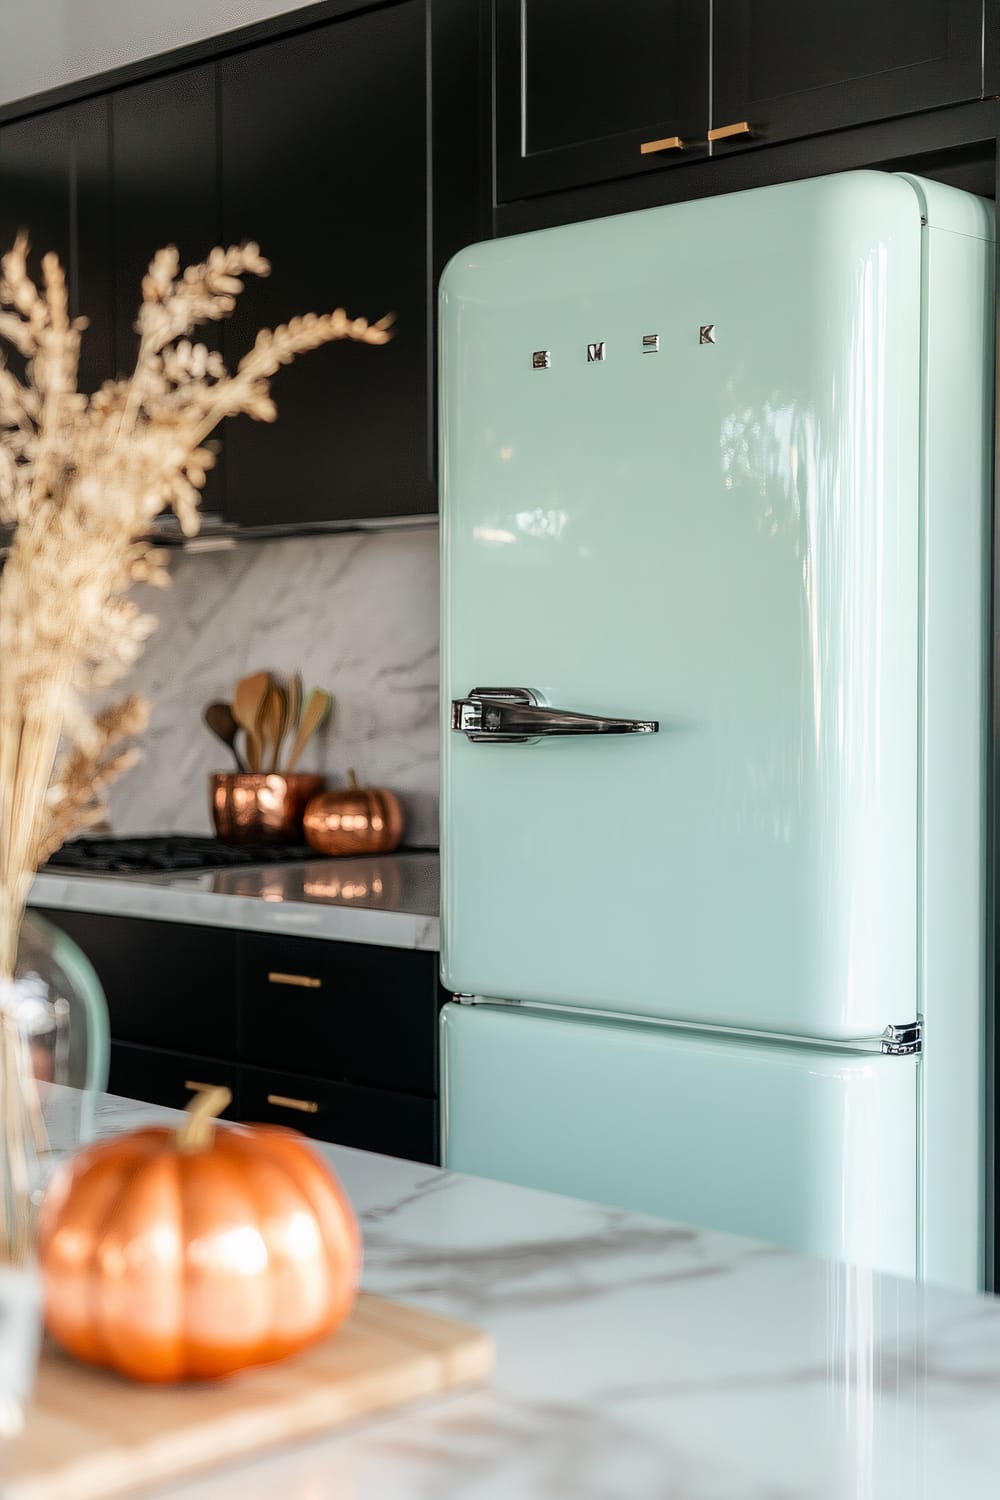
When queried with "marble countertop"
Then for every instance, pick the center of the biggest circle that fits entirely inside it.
(388, 899)
(641, 1360)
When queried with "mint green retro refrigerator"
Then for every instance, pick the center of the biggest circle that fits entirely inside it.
(715, 498)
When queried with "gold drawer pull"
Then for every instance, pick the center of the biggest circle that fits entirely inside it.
(304, 1106)
(200, 1088)
(669, 143)
(302, 981)
(723, 132)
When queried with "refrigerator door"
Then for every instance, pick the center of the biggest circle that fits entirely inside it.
(680, 488)
(814, 1148)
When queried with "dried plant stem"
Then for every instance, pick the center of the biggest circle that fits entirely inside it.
(81, 480)
(20, 1120)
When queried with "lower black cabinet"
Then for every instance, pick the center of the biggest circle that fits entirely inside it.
(264, 1015)
(370, 1119)
(167, 984)
(169, 1078)
(347, 1011)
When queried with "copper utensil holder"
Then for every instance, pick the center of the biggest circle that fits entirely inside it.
(252, 809)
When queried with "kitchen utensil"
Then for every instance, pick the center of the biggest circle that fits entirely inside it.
(293, 693)
(261, 808)
(272, 721)
(93, 1436)
(355, 820)
(314, 715)
(247, 701)
(221, 721)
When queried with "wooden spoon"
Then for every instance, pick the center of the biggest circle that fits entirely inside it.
(220, 720)
(247, 700)
(273, 718)
(314, 715)
(294, 694)
(291, 702)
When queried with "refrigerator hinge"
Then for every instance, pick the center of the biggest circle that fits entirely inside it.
(464, 999)
(904, 1040)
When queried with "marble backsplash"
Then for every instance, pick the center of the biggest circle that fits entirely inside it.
(356, 614)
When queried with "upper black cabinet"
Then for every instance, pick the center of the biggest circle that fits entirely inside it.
(351, 143)
(785, 68)
(165, 184)
(54, 183)
(590, 90)
(587, 90)
(330, 151)
(164, 191)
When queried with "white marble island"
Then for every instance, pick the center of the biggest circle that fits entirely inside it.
(645, 1360)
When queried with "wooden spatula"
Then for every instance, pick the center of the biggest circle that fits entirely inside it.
(247, 701)
(314, 715)
(294, 692)
(273, 719)
(291, 702)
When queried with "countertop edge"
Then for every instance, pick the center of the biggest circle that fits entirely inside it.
(312, 919)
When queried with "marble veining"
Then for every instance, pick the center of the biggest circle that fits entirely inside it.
(642, 1360)
(357, 614)
(390, 900)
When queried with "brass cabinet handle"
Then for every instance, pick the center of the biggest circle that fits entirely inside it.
(669, 143)
(200, 1088)
(723, 132)
(302, 981)
(304, 1106)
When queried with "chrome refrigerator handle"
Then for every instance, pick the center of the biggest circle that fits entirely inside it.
(514, 716)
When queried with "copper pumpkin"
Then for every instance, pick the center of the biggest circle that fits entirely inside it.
(356, 820)
(189, 1254)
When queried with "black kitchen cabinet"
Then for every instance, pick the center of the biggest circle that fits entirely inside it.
(167, 984)
(338, 1040)
(347, 1011)
(583, 86)
(164, 191)
(330, 149)
(371, 1119)
(351, 142)
(55, 184)
(587, 90)
(157, 1076)
(785, 69)
(165, 185)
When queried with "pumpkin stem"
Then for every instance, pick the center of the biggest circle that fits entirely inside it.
(196, 1132)
(352, 780)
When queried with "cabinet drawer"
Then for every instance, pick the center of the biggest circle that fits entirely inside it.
(347, 1011)
(160, 1077)
(370, 1119)
(167, 984)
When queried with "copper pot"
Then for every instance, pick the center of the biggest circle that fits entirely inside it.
(261, 808)
(357, 820)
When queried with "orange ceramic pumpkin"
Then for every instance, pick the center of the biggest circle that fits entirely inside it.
(355, 820)
(187, 1254)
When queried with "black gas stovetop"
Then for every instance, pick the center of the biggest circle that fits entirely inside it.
(165, 853)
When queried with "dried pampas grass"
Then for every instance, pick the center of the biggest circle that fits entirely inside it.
(81, 480)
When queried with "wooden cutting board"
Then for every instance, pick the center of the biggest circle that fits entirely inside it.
(92, 1435)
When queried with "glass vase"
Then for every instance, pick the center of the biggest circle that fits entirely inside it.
(61, 1011)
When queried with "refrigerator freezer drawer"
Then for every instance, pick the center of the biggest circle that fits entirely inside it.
(812, 1148)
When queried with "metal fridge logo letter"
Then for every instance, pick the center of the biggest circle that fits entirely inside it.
(595, 352)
